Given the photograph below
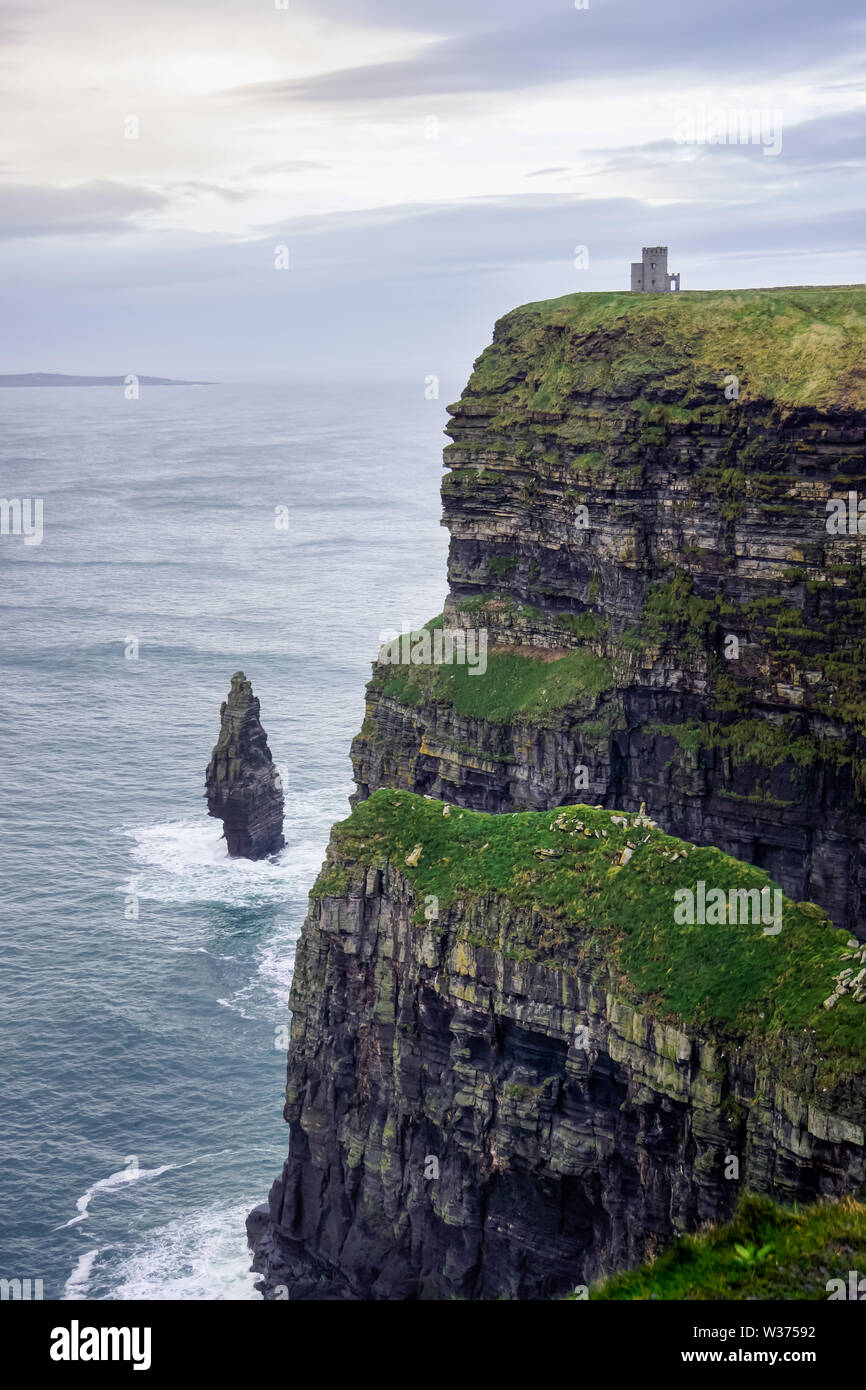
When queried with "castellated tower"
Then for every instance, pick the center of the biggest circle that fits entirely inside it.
(651, 273)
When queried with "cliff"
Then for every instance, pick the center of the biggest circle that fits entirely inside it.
(637, 495)
(511, 1071)
(766, 1252)
(242, 785)
(524, 1055)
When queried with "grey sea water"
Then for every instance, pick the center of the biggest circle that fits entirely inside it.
(141, 1079)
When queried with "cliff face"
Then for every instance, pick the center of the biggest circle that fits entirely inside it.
(241, 783)
(806, 1260)
(496, 1088)
(514, 1067)
(669, 618)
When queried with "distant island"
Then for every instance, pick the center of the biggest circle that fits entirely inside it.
(58, 379)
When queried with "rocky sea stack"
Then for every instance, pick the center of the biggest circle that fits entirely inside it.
(242, 784)
(515, 1066)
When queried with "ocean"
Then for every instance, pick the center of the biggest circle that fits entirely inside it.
(145, 976)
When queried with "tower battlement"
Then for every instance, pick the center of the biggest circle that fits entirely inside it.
(651, 275)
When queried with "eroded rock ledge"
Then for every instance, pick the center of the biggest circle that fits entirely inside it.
(706, 521)
(511, 1071)
(493, 1088)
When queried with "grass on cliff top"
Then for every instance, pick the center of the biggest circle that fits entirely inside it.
(766, 1251)
(728, 977)
(512, 686)
(797, 346)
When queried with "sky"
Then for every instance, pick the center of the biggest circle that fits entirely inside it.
(355, 189)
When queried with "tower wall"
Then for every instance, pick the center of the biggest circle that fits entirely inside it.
(651, 275)
(655, 269)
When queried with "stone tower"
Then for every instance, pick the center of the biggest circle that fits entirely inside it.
(651, 273)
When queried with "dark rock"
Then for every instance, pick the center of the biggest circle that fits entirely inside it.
(467, 1118)
(242, 784)
(707, 520)
(468, 1124)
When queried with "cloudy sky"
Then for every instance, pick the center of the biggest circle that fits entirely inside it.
(421, 167)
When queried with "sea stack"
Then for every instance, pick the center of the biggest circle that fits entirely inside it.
(242, 784)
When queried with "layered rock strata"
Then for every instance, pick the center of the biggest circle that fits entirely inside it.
(646, 487)
(513, 1069)
(505, 1093)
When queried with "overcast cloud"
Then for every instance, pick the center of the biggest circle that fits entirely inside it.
(426, 167)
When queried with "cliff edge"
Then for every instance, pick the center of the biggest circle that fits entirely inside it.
(512, 1070)
(538, 1033)
(654, 513)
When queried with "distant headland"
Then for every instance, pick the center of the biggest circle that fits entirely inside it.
(59, 379)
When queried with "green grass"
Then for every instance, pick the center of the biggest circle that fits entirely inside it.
(584, 373)
(673, 612)
(729, 980)
(795, 346)
(593, 459)
(807, 1247)
(526, 687)
(758, 741)
(675, 617)
(586, 624)
(512, 687)
(502, 564)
